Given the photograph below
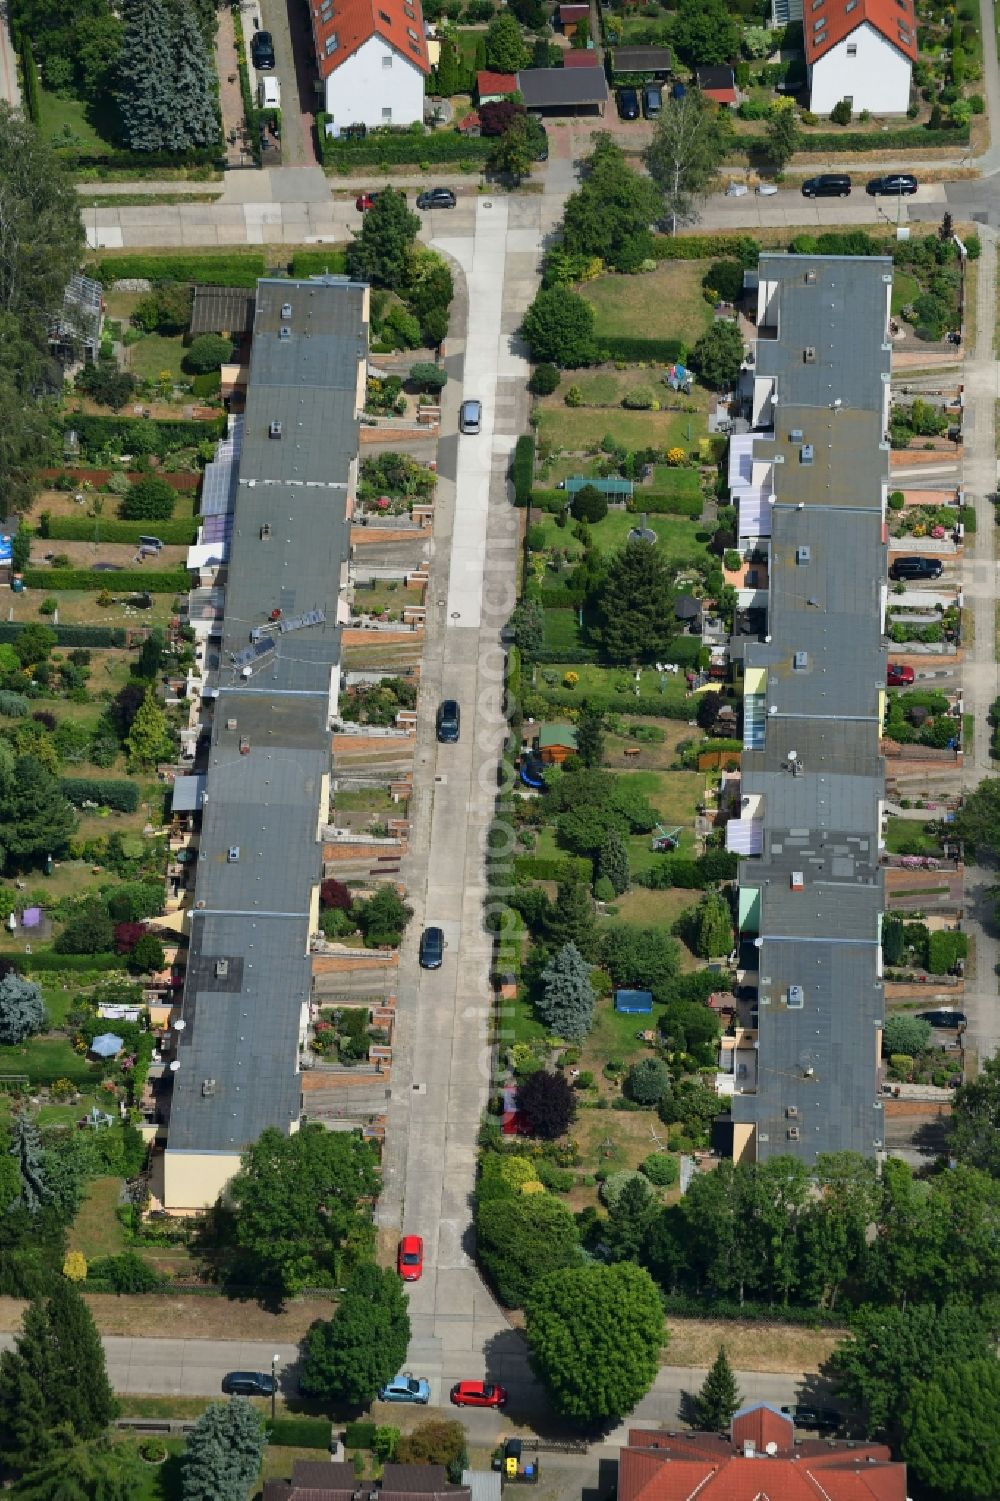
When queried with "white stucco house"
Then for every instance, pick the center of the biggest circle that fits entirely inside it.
(372, 61)
(860, 50)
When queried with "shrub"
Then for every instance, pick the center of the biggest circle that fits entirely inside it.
(897, 501)
(427, 376)
(14, 705)
(589, 504)
(118, 793)
(944, 950)
(150, 499)
(660, 1168)
(208, 352)
(544, 380)
(648, 1081)
(523, 468)
(299, 1433)
(359, 1435)
(126, 1273)
(841, 113)
(616, 1183)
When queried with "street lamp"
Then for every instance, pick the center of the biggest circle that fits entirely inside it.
(275, 1362)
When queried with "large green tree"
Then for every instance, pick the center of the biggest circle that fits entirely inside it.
(173, 112)
(974, 1136)
(718, 355)
(35, 819)
(640, 958)
(781, 137)
(570, 917)
(505, 49)
(521, 1240)
(382, 251)
(684, 156)
(611, 212)
(75, 1471)
(300, 1208)
(22, 1010)
(719, 1397)
(223, 1454)
(347, 1358)
(559, 328)
(705, 31)
(713, 926)
(53, 1381)
(977, 821)
(636, 604)
(566, 1002)
(951, 1439)
(29, 1162)
(513, 152)
(595, 1334)
(148, 739)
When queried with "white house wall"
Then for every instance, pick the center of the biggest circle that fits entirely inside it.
(877, 77)
(365, 86)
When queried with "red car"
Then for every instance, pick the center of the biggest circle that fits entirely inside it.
(478, 1394)
(365, 200)
(898, 676)
(410, 1258)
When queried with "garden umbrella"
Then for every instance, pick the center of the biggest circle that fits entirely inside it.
(107, 1045)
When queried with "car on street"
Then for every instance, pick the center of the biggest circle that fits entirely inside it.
(449, 721)
(822, 1419)
(410, 1258)
(262, 51)
(436, 198)
(628, 103)
(249, 1384)
(470, 417)
(652, 100)
(897, 675)
(478, 1394)
(406, 1388)
(365, 201)
(827, 185)
(893, 185)
(917, 567)
(431, 948)
(944, 1017)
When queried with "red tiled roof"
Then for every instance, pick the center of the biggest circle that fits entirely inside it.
(579, 57)
(348, 24)
(894, 19)
(720, 96)
(761, 1425)
(495, 83)
(574, 12)
(469, 122)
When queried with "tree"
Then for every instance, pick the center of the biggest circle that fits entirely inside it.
(498, 116)
(147, 956)
(147, 740)
(612, 862)
(630, 1218)
(35, 819)
(546, 1104)
(893, 938)
(208, 352)
(781, 136)
(905, 1034)
(29, 1160)
(223, 1454)
(589, 504)
(570, 918)
(513, 153)
(527, 627)
(22, 1010)
(610, 214)
(96, 1471)
(452, 75)
(42, 236)
(54, 1376)
(153, 117)
(590, 736)
(648, 1081)
(977, 822)
(383, 918)
(640, 958)
(349, 1357)
(299, 1208)
(975, 1119)
(544, 380)
(88, 930)
(705, 31)
(686, 152)
(718, 355)
(34, 644)
(595, 1334)
(106, 383)
(714, 926)
(636, 603)
(505, 49)
(559, 328)
(950, 1437)
(436, 1441)
(566, 1004)
(426, 376)
(719, 1397)
(521, 1240)
(381, 253)
(725, 279)
(150, 499)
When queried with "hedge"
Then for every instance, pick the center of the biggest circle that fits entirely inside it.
(98, 433)
(103, 529)
(176, 581)
(832, 142)
(559, 599)
(552, 501)
(552, 868)
(660, 503)
(51, 962)
(300, 1433)
(944, 949)
(405, 149)
(627, 347)
(118, 792)
(140, 162)
(237, 268)
(523, 468)
(316, 262)
(706, 248)
(71, 635)
(29, 72)
(686, 1306)
(359, 1435)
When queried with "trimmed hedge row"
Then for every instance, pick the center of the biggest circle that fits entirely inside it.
(300, 1433)
(627, 347)
(687, 1306)
(97, 433)
(100, 528)
(551, 868)
(316, 262)
(237, 268)
(140, 162)
(523, 468)
(706, 248)
(400, 150)
(655, 502)
(118, 792)
(71, 635)
(907, 137)
(559, 599)
(51, 962)
(176, 581)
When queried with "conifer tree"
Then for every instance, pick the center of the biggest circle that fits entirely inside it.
(224, 1452)
(567, 1000)
(612, 861)
(26, 1150)
(719, 1397)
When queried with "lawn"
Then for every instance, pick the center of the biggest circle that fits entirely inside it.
(97, 1231)
(67, 121)
(667, 303)
(80, 607)
(563, 631)
(905, 289)
(45, 1059)
(906, 835)
(582, 429)
(677, 538)
(595, 679)
(673, 482)
(155, 354)
(607, 387)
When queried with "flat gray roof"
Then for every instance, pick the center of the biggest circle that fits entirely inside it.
(222, 310)
(551, 88)
(641, 59)
(249, 971)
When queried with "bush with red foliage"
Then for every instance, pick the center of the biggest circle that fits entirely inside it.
(335, 894)
(44, 718)
(127, 935)
(496, 119)
(545, 1105)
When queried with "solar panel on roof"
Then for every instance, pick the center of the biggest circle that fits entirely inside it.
(253, 655)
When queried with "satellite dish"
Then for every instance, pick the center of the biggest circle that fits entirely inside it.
(180, 1024)
(174, 1066)
(771, 1448)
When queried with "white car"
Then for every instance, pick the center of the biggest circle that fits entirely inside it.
(766, 189)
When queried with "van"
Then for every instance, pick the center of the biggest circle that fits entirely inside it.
(153, 542)
(470, 418)
(827, 185)
(269, 93)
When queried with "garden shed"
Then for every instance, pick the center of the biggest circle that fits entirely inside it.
(556, 742)
(634, 1002)
(613, 488)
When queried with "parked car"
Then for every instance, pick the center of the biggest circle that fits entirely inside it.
(449, 721)
(822, 1419)
(898, 676)
(404, 1388)
(894, 184)
(916, 568)
(944, 1017)
(262, 50)
(628, 103)
(431, 948)
(436, 198)
(470, 417)
(410, 1258)
(478, 1394)
(365, 201)
(827, 185)
(249, 1384)
(652, 100)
